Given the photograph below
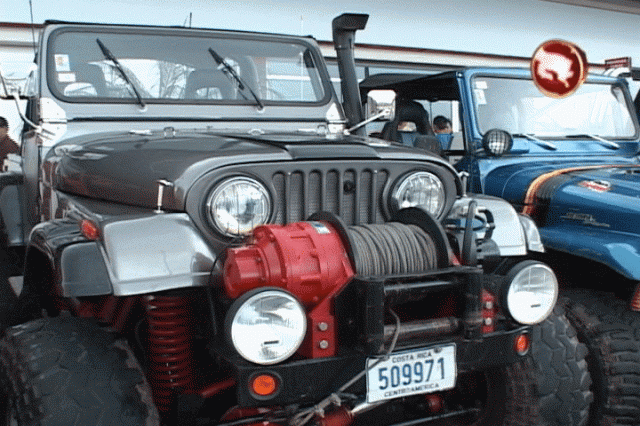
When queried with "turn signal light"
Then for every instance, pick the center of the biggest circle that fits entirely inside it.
(90, 230)
(264, 385)
(522, 344)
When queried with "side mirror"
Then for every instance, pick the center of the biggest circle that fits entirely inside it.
(381, 105)
(9, 90)
(22, 87)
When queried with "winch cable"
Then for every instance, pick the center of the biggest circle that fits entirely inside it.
(303, 417)
(392, 248)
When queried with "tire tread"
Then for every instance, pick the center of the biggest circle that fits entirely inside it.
(612, 333)
(71, 363)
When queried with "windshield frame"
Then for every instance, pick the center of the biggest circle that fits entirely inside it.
(525, 75)
(320, 78)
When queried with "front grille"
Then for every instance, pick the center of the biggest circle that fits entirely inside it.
(355, 195)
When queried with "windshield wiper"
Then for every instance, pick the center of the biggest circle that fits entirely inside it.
(230, 72)
(607, 143)
(537, 140)
(107, 54)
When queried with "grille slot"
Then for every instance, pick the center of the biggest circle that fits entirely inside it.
(353, 194)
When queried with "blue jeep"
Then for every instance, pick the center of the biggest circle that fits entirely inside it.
(572, 165)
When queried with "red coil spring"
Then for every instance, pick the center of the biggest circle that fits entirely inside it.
(170, 348)
(635, 300)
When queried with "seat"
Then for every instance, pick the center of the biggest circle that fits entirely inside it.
(429, 143)
(412, 112)
(90, 74)
(217, 85)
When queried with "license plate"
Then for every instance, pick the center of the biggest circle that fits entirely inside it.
(410, 373)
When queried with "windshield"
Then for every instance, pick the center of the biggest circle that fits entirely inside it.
(165, 67)
(517, 106)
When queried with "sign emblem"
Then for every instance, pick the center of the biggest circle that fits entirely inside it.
(558, 68)
(596, 185)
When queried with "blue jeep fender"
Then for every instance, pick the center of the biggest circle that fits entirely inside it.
(619, 251)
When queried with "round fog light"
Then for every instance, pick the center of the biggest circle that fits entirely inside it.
(533, 291)
(266, 326)
(497, 142)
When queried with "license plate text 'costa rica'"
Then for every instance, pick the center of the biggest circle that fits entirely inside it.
(411, 373)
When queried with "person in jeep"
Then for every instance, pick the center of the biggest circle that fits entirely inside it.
(442, 124)
(209, 239)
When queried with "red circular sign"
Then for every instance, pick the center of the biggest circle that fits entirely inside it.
(558, 68)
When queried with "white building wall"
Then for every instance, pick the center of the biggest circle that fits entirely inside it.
(431, 34)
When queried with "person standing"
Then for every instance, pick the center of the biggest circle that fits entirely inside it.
(7, 144)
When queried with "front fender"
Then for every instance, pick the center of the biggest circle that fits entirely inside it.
(509, 232)
(78, 266)
(135, 255)
(155, 253)
(617, 250)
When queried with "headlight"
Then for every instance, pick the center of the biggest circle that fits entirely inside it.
(266, 326)
(420, 189)
(532, 293)
(238, 205)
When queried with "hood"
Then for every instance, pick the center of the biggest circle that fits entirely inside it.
(590, 195)
(126, 168)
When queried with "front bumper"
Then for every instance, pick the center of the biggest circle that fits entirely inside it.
(311, 380)
(365, 331)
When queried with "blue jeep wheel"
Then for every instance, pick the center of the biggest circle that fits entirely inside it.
(611, 333)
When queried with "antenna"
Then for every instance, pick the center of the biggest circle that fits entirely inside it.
(185, 21)
(33, 34)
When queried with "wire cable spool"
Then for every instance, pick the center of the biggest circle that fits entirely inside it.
(392, 249)
(412, 243)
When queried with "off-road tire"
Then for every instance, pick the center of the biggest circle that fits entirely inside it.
(500, 396)
(9, 265)
(68, 371)
(8, 298)
(611, 333)
(512, 397)
(564, 382)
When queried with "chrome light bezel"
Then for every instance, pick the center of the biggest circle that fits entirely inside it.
(398, 201)
(254, 338)
(227, 228)
(525, 305)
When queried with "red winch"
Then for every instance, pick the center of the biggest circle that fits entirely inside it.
(309, 260)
